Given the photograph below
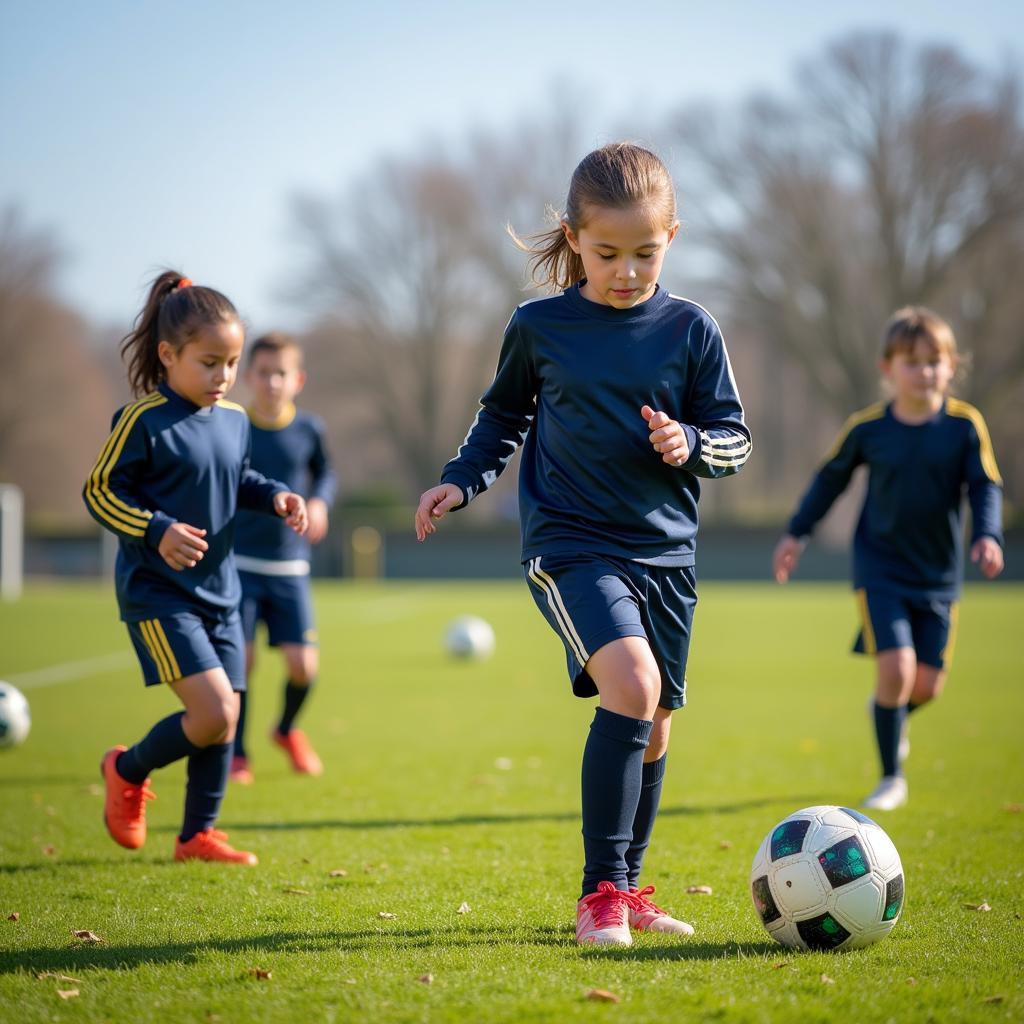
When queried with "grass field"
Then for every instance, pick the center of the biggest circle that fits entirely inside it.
(449, 783)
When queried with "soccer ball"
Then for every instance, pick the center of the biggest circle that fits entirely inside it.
(15, 720)
(469, 637)
(827, 878)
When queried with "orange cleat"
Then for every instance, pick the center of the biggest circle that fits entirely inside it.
(297, 747)
(240, 772)
(124, 811)
(211, 844)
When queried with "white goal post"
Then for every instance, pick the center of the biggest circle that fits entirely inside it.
(12, 541)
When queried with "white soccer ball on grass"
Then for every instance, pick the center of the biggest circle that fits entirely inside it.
(469, 637)
(15, 718)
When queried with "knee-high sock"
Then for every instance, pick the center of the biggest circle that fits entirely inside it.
(239, 745)
(165, 743)
(612, 772)
(207, 779)
(646, 811)
(294, 697)
(888, 726)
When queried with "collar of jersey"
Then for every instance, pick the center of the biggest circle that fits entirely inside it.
(278, 423)
(171, 395)
(599, 311)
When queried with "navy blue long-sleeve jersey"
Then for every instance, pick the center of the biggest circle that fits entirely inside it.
(293, 450)
(571, 379)
(909, 536)
(168, 460)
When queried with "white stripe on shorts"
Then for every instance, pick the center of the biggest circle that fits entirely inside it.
(557, 606)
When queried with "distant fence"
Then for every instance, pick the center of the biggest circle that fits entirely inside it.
(485, 552)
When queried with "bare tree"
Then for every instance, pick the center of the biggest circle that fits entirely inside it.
(895, 176)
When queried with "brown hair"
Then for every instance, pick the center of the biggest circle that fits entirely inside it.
(273, 341)
(175, 310)
(617, 176)
(911, 324)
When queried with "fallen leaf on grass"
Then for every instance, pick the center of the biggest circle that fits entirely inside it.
(386, 916)
(911, 981)
(297, 892)
(13, 916)
(992, 999)
(427, 979)
(259, 972)
(338, 873)
(67, 993)
(826, 980)
(59, 977)
(95, 789)
(781, 964)
(1014, 808)
(49, 850)
(350, 981)
(84, 935)
(983, 906)
(602, 995)
(700, 890)
(725, 845)
(464, 908)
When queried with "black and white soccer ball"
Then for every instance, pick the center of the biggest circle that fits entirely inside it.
(827, 878)
(15, 719)
(469, 637)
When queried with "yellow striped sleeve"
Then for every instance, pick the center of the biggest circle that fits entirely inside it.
(105, 504)
(958, 407)
(872, 412)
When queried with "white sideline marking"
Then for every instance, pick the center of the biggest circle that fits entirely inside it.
(70, 670)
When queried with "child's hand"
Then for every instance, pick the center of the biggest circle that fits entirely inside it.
(292, 507)
(988, 556)
(316, 509)
(433, 505)
(786, 557)
(182, 546)
(667, 437)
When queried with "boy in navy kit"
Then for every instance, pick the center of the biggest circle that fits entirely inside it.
(273, 562)
(923, 450)
(167, 483)
(622, 396)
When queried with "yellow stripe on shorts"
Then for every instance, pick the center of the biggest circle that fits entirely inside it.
(865, 622)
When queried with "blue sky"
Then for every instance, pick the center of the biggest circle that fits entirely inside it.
(146, 134)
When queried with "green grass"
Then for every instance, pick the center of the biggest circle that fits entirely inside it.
(418, 809)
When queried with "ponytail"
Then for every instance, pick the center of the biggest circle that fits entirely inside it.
(175, 309)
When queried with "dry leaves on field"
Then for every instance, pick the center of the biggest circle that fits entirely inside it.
(427, 979)
(602, 995)
(699, 890)
(1014, 808)
(49, 850)
(386, 916)
(725, 845)
(338, 873)
(782, 963)
(67, 993)
(42, 975)
(464, 908)
(983, 906)
(826, 980)
(297, 892)
(14, 916)
(911, 981)
(84, 935)
(260, 973)
(992, 999)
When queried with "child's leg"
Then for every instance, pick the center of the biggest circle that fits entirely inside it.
(302, 662)
(211, 715)
(652, 776)
(897, 670)
(627, 679)
(928, 685)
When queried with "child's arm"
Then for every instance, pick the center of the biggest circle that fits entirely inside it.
(985, 494)
(829, 482)
(323, 484)
(506, 413)
(261, 494)
(111, 496)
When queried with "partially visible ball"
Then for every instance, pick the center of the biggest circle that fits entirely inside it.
(15, 719)
(469, 637)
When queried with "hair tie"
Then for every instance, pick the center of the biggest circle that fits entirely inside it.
(185, 282)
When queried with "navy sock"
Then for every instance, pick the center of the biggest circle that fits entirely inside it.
(294, 698)
(165, 743)
(888, 725)
(207, 779)
(239, 750)
(612, 773)
(643, 823)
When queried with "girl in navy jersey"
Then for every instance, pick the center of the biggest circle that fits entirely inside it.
(923, 451)
(167, 483)
(622, 396)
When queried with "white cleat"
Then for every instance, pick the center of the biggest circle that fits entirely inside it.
(602, 918)
(889, 794)
(646, 916)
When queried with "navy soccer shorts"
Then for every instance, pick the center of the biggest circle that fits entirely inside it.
(181, 644)
(590, 600)
(892, 620)
(283, 603)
